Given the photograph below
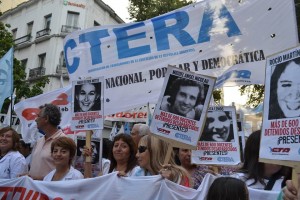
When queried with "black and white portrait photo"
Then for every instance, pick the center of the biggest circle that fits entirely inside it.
(87, 97)
(218, 127)
(184, 97)
(284, 99)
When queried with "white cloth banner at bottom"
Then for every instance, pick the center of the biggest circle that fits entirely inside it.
(111, 187)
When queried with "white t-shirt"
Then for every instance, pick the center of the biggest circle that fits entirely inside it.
(258, 185)
(12, 165)
(132, 172)
(73, 174)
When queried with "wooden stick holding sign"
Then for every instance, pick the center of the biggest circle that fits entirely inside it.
(88, 145)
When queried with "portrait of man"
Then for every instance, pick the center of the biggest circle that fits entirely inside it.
(184, 97)
(95, 151)
(218, 127)
(284, 97)
(87, 97)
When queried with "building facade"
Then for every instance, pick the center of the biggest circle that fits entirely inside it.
(40, 26)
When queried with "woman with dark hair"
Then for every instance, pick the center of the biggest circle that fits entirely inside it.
(218, 127)
(259, 175)
(122, 155)
(12, 163)
(228, 188)
(285, 90)
(87, 97)
(63, 150)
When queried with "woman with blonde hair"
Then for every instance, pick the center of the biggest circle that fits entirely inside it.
(151, 155)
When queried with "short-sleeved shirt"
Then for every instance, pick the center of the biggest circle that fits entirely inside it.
(41, 159)
(73, 174)
(12, 165)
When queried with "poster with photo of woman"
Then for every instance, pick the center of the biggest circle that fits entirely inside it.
(87, 104)
(281, 114)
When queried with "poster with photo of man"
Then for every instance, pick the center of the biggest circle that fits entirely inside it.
(87, 104)
(180, 111)
(219, 141)
(281, 113)
(80, 159)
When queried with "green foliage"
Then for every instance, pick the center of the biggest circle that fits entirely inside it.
(255, 94)
(140, 10)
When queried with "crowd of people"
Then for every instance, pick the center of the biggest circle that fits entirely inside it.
(138, 154)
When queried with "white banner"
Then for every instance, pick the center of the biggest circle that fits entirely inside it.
(28, 109)
(87, 109)
(112, 187)
(225, 39)
(281, 117)
(180, 112)
(219, 141)
(139, 114)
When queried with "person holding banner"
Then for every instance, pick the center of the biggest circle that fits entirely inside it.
(63, 151)
(150, 156)
(87, 97)
(218, 127)
(48, 120)
(185, 98)
(123, 155)
(259, 175)
(290, 192)
(285, 90)
(12, 163)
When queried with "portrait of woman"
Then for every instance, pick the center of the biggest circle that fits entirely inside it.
(284, 99)
(218, 127)
(87, 97)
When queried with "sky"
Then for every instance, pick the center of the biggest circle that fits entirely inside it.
(120, 7)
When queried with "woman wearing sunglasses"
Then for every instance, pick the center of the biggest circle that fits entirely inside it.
(150, 156)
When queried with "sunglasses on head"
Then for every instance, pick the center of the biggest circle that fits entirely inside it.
(142, 149)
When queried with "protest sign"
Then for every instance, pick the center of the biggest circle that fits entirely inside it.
(95, 157)
(219, 141)
(280, 136)
(87, 109)
(225, 39)
(180, 112)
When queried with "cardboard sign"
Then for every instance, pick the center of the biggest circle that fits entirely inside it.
(87, 105)
(280, 136)
(180, 112)
(219, 141)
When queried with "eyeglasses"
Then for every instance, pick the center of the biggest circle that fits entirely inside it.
(142, 149)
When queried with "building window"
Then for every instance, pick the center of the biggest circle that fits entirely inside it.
(48, 21)
(29, 28)
(24, 63)
(96, 23)
(72, 19)
(42, 58)
(14, 33)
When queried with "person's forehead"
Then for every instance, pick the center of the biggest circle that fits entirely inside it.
(291, 73)
(189, 89)
(9, 132)
(216, 114)
(88, 87)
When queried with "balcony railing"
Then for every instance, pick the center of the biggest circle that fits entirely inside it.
(43, 32)
(23, 39)
(61, 69)
(69, 29)
(37, 72)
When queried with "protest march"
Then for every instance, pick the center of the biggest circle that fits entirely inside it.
(138, 118)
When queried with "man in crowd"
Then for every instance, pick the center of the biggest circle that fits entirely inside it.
(138, 131)
(185, 98)
(48, 120)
